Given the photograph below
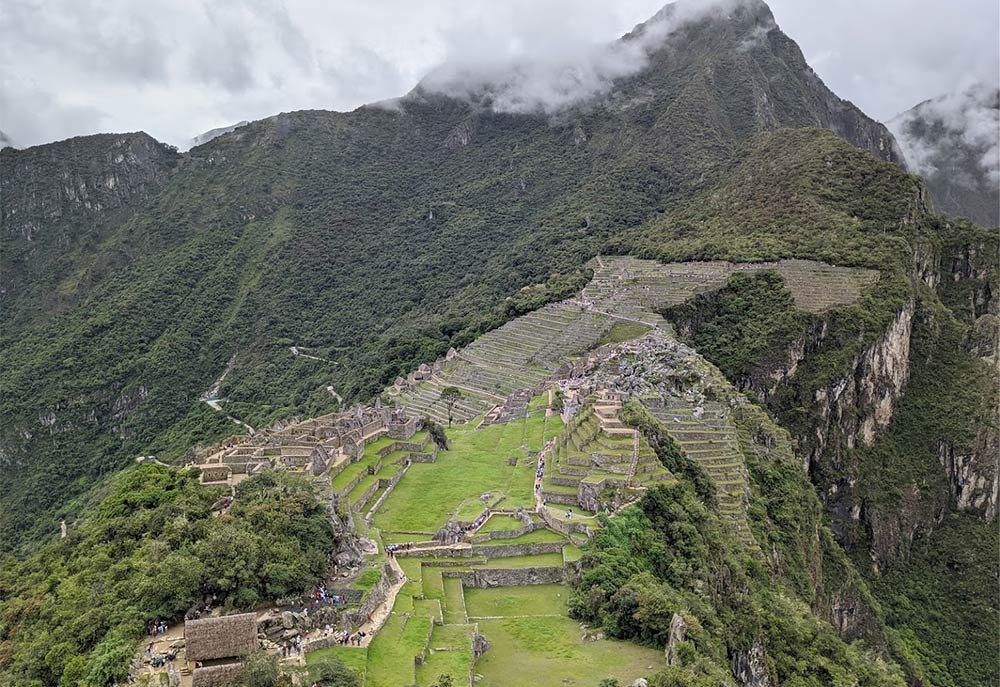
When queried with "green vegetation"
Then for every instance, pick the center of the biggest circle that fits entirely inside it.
(623, 331)
(550, 651)
(73, 612)
(540, 599)
(371, 240)
(748, 324)
(649, 563)
(476, 463)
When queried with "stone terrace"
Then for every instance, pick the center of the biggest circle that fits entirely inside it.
(597, 456)
(633, 287)
(526, 352)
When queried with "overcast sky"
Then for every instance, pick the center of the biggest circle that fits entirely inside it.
(180, 67)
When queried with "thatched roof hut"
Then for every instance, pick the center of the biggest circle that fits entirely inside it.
(216, 676)
(228, 636)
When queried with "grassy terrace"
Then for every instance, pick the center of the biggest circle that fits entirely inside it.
(534, 634)
(449, 653)
(500, 523)
(476, 463)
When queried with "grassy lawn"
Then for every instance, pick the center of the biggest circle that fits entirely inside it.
(354, 658)
(450, 654)
(500, 523)
(546, 651)
(623, 331)
(476, 463)
(454, 601)
(390, 655)
(537, 599)
(432, 585)
(540, 536)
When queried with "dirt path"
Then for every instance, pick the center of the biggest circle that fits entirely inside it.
(543, 456)
(215, 404)
(384, 609)
(298, 353)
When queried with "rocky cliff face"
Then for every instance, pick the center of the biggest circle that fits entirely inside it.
(853, 409)
(771, 72)
(79, 176)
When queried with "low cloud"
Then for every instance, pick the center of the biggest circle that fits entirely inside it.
(174, 69)
(557, 70)
(939, 127)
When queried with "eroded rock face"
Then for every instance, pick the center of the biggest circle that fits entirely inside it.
(972, 475)
(676, 634)
(750, 667)
(48, 183)
(873, 387)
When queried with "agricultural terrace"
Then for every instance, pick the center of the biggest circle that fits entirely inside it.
(483, 539)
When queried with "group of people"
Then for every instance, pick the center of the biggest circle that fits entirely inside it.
(478, 522)
(346, 638)
(319, 597)
(160, 659)
(157, 628)
(391, 549)
(290, 649)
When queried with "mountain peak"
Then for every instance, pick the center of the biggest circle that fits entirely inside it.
(951, 141)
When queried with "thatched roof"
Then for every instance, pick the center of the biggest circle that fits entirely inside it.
(223, 637)
(216, 676)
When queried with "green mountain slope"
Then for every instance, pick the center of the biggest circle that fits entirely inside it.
(376, 238)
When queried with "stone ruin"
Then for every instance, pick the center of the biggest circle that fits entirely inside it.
(310, 447)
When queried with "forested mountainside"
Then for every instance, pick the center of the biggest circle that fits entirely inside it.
(951, 141)
(133, 277)
(376, 239)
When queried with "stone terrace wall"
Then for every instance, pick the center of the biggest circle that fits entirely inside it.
(479, 578)
(404, 446)
(507, 550)
(563, 527)
(376, 595)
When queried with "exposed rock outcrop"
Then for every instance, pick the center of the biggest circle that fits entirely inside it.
(855, 407)
(750, 667)
(80, 176)
(676, 635)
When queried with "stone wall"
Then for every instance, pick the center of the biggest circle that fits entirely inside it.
(404, 446)
(563, 527)
(560, 498)
(361, 475)
(389, 486)
(478, 578)
(423, 457)
(508, 550)
(376, 595)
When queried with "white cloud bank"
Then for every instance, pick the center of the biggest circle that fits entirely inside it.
(175, 68)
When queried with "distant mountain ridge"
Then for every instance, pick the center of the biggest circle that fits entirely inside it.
(380, 238)
(953, 141)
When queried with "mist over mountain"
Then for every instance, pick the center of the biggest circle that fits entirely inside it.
(207, 136)
(953, 141)
(295, 266)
